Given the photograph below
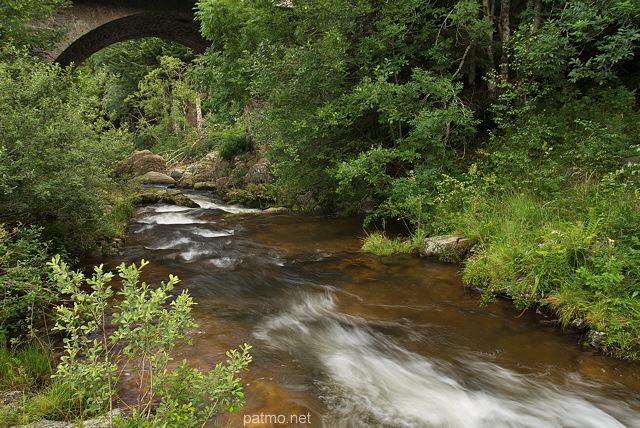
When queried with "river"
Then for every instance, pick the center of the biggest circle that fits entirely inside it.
(347, 339)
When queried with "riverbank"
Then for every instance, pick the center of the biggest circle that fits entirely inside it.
(575, 256)
(333, 328)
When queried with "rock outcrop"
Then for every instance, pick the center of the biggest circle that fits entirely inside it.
(217, 173)
(141, 162)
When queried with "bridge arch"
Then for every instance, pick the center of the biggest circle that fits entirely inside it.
(94, 25)
(173, 27)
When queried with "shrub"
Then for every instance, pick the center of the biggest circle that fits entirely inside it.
(148, 323)
(233, 142)
(24, 292)
(55, 153)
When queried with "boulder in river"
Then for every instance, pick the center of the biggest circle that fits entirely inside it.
(205, 185)
(436, 246)
(173, 197)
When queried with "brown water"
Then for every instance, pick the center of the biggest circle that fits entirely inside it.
(346, 339)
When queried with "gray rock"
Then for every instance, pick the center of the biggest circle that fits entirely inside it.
(305, 199)
(222, 183)
(174, 197)
(437, 245)
(259, 173)
(210, 168)
(153, 177)
(101, 422)
(142, 161)
(177, 173)
(187, 179)
(11, 399)
(274, 210)
(594, 339)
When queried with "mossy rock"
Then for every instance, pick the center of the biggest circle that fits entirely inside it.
(173, 197)
(205, 185)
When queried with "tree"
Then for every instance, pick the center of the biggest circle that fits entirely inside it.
(347, 86)
(162, 104)
(21, 24)
(125, 64)
(56, 152)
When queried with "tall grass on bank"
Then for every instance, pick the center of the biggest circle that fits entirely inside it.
(27, 370)
(578, 254)
(380, 244)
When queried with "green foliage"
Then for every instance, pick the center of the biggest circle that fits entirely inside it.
(87, 365)
(235, 29)
(378, 243)
(55, 153)
(189, 397)
(588, 42)
(572, 253)
(589, 130)
(25, 368)
(148, 323)
(24, 292)
(162, 104)
(125, 64)
(349, 105)
(232, 142)
(19, 27)
(121, 203)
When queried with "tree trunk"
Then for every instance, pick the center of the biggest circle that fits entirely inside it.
(488, 15)
(505, 15)
(537, 15)
(199, 97)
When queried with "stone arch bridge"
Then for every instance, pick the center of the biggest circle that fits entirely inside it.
(95, 24)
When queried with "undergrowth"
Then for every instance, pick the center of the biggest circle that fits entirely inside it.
(578, 254)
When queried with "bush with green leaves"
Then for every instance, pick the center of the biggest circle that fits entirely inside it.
(56, 152)
(19, 25)
(25, 295)
(232, 142)
(161, 106)
(147, 324)
(125, 65)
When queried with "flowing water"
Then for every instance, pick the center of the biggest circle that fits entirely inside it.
(346, 339)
